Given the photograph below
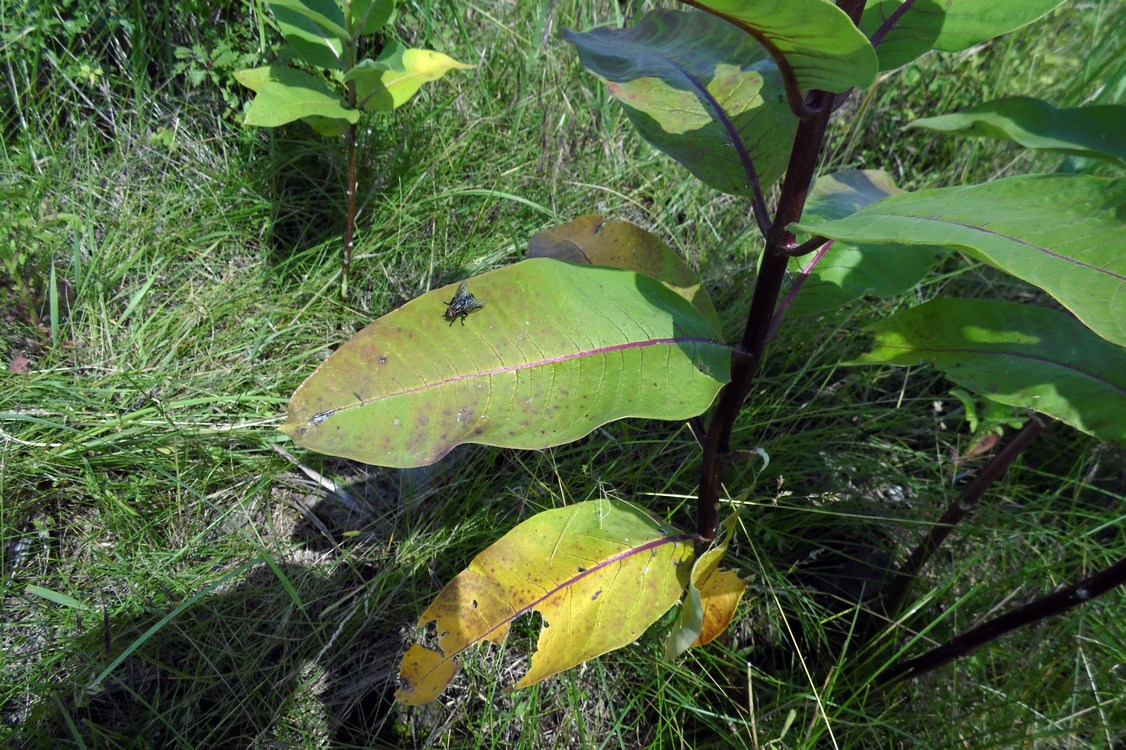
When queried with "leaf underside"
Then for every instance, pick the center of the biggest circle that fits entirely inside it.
(700, 90)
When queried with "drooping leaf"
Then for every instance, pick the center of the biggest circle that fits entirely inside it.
(710, 599)
(1097, 132)
(946, 26)
(325, 13)
(310, 40)
(598, 241)
(599, 572)
(814, 40)
(286, 94)
(848, 271)
(390, 80)
(700, 90)
(369, 16)
(1062, 233)
(558, 350)
(1024, 356)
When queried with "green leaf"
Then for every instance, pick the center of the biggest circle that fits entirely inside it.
(286, 94)
(308, 39)
(325, 13)
(848, 271)
(1097, 132)
(54, 596)
(946, 25)
(369, 16)
(599, 572)
(1062, 233)
(558, 350)
(390, 81)
(811, 40)
(595, 240)
(701, 91)
(1016, 354)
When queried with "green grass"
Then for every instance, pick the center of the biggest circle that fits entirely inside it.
(191, 586)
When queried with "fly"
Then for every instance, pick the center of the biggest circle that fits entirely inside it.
(462, 304)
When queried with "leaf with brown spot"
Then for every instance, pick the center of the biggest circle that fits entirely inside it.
(558, 350)
(595, 240)
(599, 572)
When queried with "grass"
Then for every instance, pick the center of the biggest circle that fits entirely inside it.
(170, 578)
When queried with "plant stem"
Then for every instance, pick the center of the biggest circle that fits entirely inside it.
(1055, 603)
(352, 133)
(957, 510)
(747, 354)
(350, 218)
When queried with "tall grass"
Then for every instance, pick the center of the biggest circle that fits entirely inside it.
(176, 574)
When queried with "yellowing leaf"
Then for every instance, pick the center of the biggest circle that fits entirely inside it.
(391, 80)
(720, 594)
(710, 602)
(599, 573)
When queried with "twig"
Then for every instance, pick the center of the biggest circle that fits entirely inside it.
(1055, 603)
(957, 510)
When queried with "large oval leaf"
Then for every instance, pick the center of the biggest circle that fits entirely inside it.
(1097, 132)
(700, 90)
(311, 41)
(599, 572)
(946, 25)
(1062, 233)
(848, 270)
(390, 81)
(599, 241)
(558, 350)
(287, 94)
(1016, 354)
(812, 40)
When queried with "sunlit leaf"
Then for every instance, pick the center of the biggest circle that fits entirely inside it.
(710, 598)
(1062, 233)
(324, 13)
(286, 94)
(558, 350)
(57, 597)
(369, 16)
(599, 241)
(311, 41)
(848, 271)
(946, 25)
(599, 572)
(1097, 132)
(1020, 355)
(815, 39)
(390, 80)
(700, 90)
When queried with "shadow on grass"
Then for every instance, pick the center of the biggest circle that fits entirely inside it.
(286, 657)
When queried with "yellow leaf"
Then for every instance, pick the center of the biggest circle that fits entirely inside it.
(598, 572)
